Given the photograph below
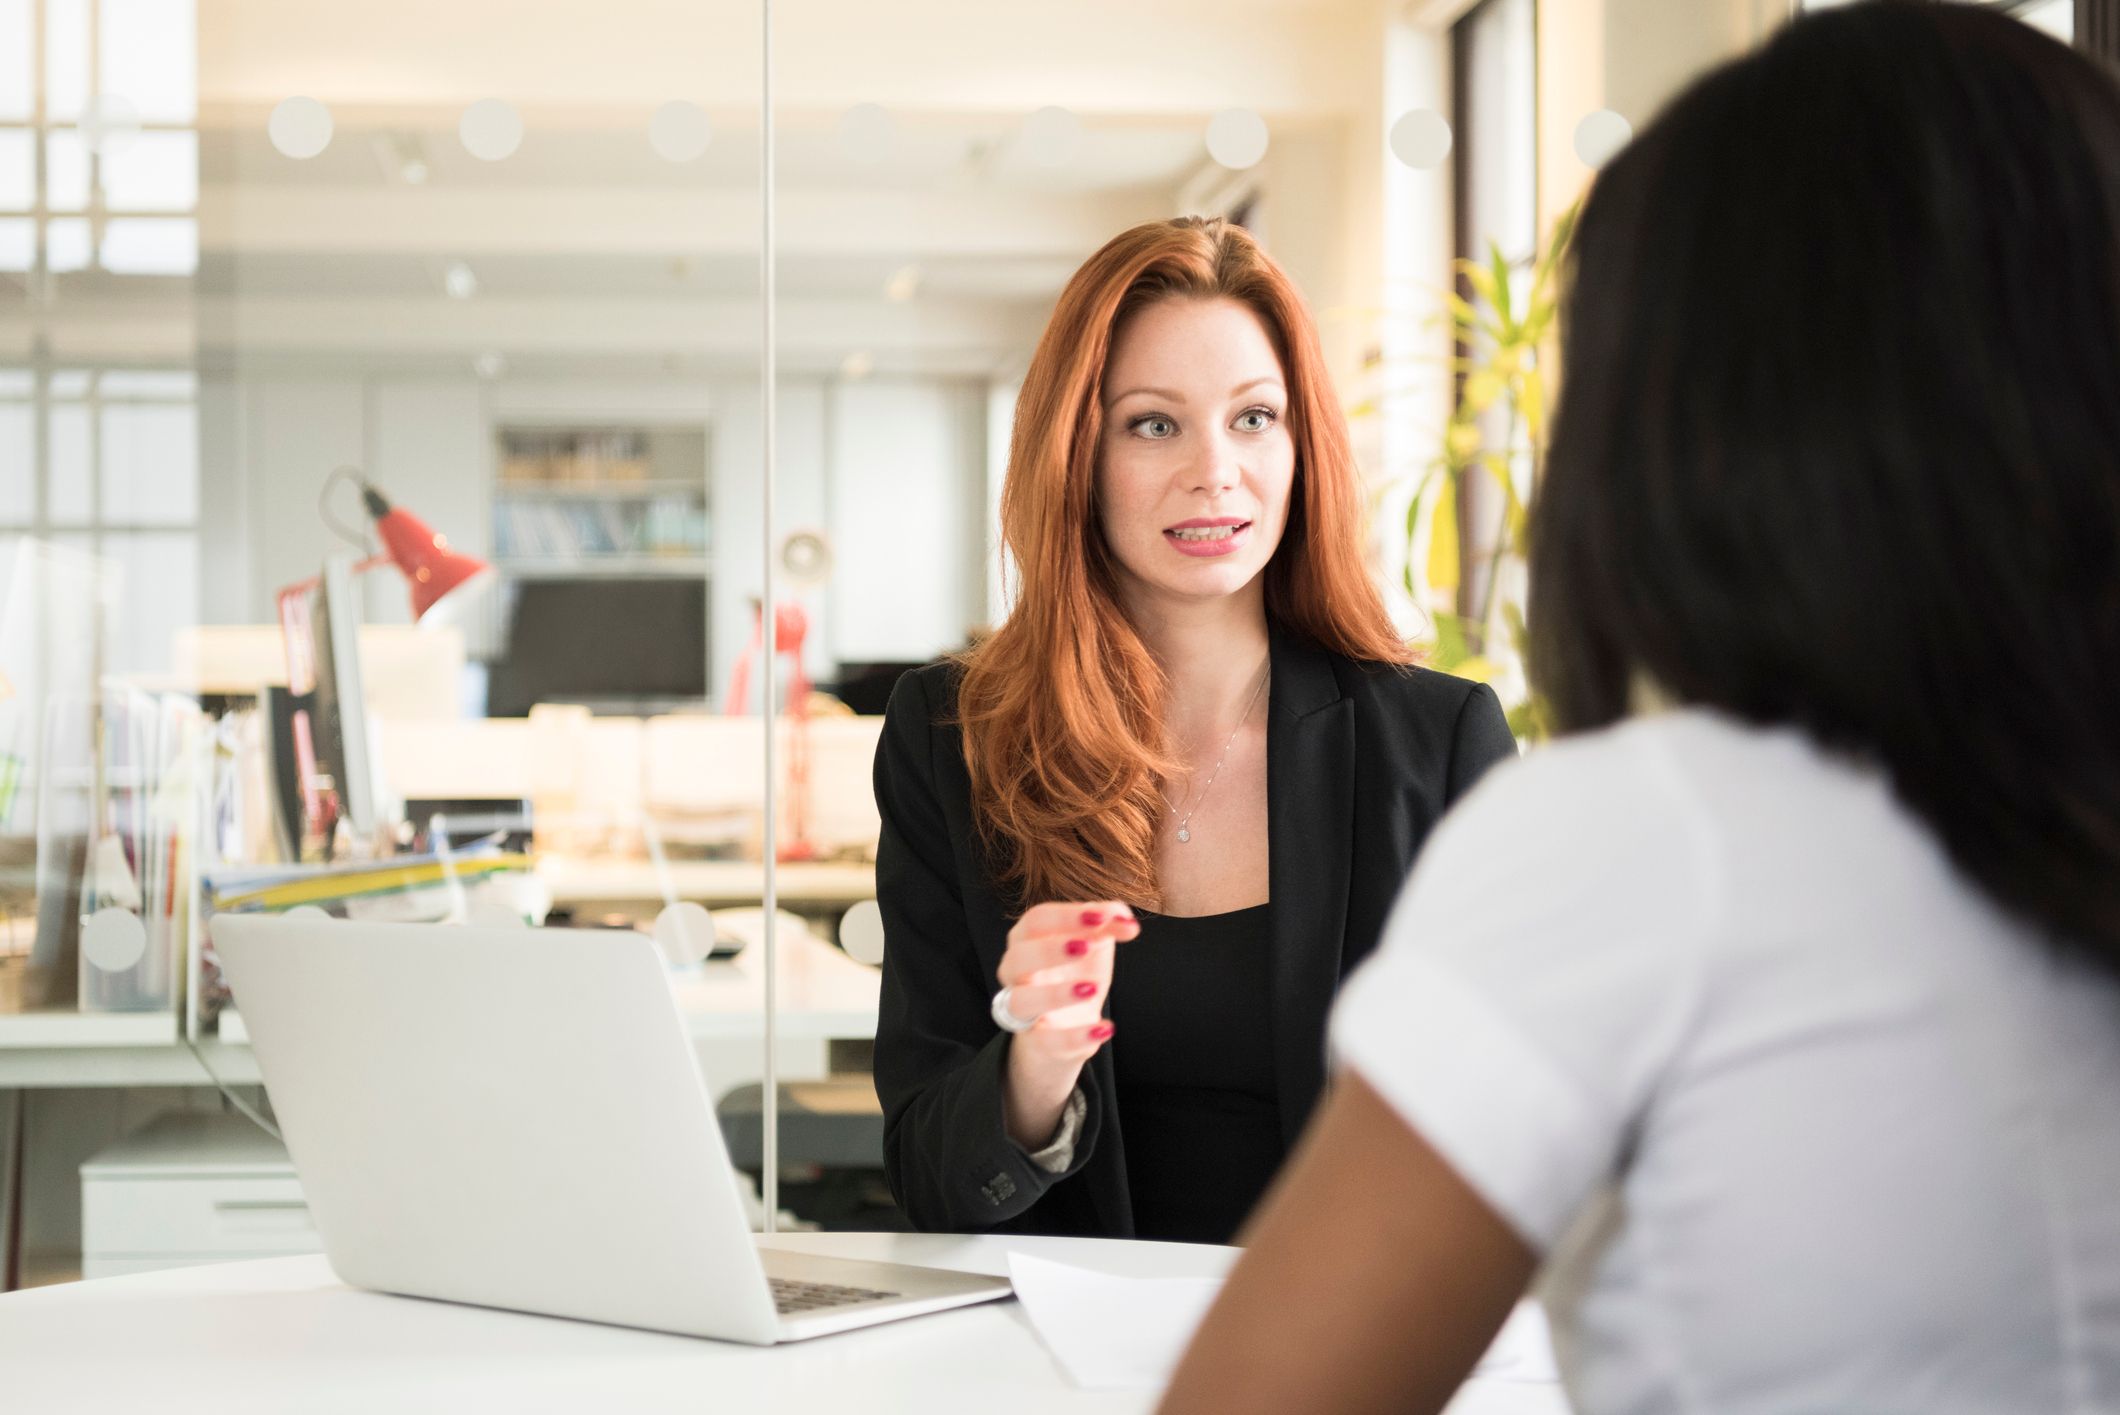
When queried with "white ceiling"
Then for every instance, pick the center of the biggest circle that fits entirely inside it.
(586, 244)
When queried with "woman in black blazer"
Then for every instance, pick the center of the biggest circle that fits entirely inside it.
(1172, 796)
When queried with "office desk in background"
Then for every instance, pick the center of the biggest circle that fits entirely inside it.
(284, 1334)
(824, 996)
(804, 888)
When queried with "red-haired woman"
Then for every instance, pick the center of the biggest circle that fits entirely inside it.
(1164, 807)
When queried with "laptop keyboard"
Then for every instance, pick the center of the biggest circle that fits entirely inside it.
(791, 1297)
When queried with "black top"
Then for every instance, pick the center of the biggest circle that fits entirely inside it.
(1361, 762)
(1193, 1057)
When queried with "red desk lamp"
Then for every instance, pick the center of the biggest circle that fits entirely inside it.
(790, 627)
(439, 578)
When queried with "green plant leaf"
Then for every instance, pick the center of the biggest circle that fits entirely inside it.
(1482, 282)
(1519, 632)
(1443, 559)
(1527, 720)
(1502, 302)
(1450, 646)
(1513, 507)
(1462, 442)
(1481, 389)
(1556, 245)
(1531, 404)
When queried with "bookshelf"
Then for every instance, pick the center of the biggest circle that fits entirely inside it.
(605, 499)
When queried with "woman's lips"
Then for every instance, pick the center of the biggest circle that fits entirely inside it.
(1207, 539)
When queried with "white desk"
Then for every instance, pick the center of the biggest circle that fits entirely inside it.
(283, 1334)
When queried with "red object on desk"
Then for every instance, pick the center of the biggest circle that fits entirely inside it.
(790, 627)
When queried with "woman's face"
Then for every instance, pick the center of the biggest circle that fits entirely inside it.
(1197, 459)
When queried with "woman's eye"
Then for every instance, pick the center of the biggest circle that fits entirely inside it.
(1256, 419)
(1155, 426)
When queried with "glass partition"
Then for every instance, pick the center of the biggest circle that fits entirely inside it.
(383, 449)
(1412, 166)
(939, 181)
(380, 489)
(484, 280)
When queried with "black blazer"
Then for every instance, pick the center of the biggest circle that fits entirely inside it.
(1362, 760)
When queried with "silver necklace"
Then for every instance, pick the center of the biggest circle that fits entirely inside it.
(1185, 823)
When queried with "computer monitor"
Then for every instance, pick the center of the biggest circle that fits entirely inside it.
(338, 713)
(625, 644)
(866, 687)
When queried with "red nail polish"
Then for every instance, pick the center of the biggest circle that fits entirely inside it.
(1085, 989)
(1091, 918)
(1100, 1032)
(1076, 947)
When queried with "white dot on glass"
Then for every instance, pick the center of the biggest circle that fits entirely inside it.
(109, 123)
(861, 933)
(685, 933)
(865, 132)
(1601, 135)
(114, 939)
(300, 128)
(1421, 138)
(491, 129)
(679, 131)
(1051, 135)
(1236, 138)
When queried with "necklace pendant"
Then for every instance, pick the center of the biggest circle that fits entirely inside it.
(1183, 835)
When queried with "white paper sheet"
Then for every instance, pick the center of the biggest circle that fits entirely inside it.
(1127, 1333)
(1111, 1333)
(1522, 1350)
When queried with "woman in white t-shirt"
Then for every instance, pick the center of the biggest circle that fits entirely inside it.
(1783, 1016)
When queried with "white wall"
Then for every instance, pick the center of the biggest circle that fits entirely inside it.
(429, 448)
(894, 470)
(800, 502)
(1001, 395)
(293, 433)
(909, 496)
(224, 504)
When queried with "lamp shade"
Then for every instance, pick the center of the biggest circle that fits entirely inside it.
(432, 570)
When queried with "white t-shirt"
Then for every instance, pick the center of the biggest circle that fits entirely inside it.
(1863, 1130)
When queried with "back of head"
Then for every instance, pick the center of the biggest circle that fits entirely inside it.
(1839, 442)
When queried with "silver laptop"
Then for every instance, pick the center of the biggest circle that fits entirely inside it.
(516, 1118)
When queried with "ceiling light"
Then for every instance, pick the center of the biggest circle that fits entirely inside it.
(459, 281)
(858, 365)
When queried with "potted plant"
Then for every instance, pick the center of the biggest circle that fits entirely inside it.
(1469, 580)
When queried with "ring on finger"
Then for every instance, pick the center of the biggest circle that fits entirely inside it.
(1005, 1017)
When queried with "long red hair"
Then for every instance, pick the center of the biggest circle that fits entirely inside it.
(1061, 707)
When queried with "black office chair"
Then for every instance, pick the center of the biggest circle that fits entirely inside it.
(833, 1127)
